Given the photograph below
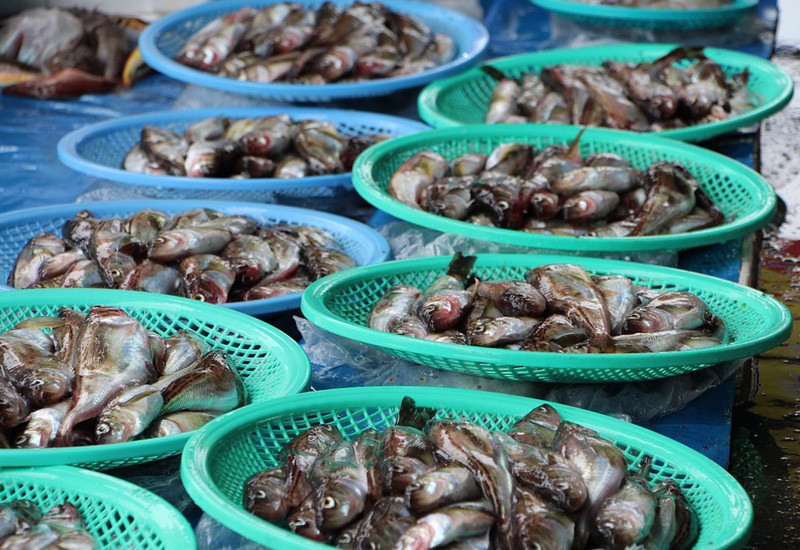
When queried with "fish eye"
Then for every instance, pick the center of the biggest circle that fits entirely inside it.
(199, 297)
(21, 440)
(103, 428)
(414, 486)
(503, 204)
(297, 523)
(260, 494)
(328, 503)
(399, 468)
(115, 272)
(345, 538)
(36, 383)
(371, 546)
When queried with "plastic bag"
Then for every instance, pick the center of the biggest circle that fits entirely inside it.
(338, 362)
(212, 535)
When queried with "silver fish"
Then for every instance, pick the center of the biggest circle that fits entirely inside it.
(448, 524)
(589, 206)
(176, 244)
(208, 129)
(448, 337)
(166, 148)
(384, 524)
(112, 354)
(324, 261)
(192, 218)
(540, 524)
(291, 167)
(554, 333)
(450, 197)
(13, 407)
(668, 311)
(208, 159)
(178, 423)
(320, 144)
(514, 298)
(182, 349)
(509, 158)
(276, 289)
(210, 385)
(418, 171)
(500, 330)
(537, 428)
(341, 488)
(251, 257)
(145, 224)
(115, 251)
(25, 272)
(286, 251)
(410, 325)
(78, 231)
(501, 103)
(60, 263)
(593, 178)
(136, 160)
(207, 278)
(128, 414)
(671, 195)
(440, 487)
(468, 164)
(151, 276)
(620, 297)
(625, 517)
(688, 525)
(392, 306)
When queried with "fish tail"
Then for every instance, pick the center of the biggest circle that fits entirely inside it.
(460, 266)
(413, 416)
(601, 343)
(572, 152)
(495, 73)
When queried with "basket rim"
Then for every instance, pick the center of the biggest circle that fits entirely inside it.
(736, 507)
(368, 237)
(314, 308)
(471, 47)
(68, 154)
(427, 102)
(172, 525)
(291, 353)
(736, 9)
(366, 186)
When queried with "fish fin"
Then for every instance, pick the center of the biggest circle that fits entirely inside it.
(495, 73)
(135, 68)
(601, 344)
(413, 416)
(645, 465)
(461, 265)
(573, 150)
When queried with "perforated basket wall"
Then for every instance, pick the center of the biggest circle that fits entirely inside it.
(745, 198)
(118, 514)
(99, 150)
(341, 303)
(162, 40)
(464, 98)
(662, 19)
(363, 244)
(269, 363)
(217, 462)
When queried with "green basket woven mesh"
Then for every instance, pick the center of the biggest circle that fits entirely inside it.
(217, 461)
(464, 98)
(118, 514)
(341, 303)
(746, 199)
(269, 363)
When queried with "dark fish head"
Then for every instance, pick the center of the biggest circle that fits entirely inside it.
(647, 320)
(264, 495)
(339, 501)
(13, 407)
(168, 245)
(116, 267)
(398, 472)
(46, 385)
(112, 430)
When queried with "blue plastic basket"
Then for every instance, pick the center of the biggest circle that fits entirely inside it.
(99, 149)
(163, 39)
(650, 18)
(365, 245)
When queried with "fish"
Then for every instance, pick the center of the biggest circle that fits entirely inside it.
(263, 494)
(177, 423)
(250, 257)
(568, 289)
(341, 491)
(620, 298)
(165, 148)
(589, 206)
(145, 224)
(540, 524)
(441, 487)
(383, 524)
(668, 311)
(537, 428)
(410, 325)
(509, 158)
(192, 218)
(128, 414)
(287, 252)
(474, 448)
(275, 289)
(319, 143)
(303, 450)
(468, 164)
(625, 517)
(78, 231)
(500, 330)
(555, 333)
(303, 521)
(26, 270)
(448, 524)
(17, 516)
(112, 354)
(66, 83)
(149, 276)
(446, 301)
(183, 348)
(14, 409)
(176, 244)
(672, 194)
(688, 524)
(420, 170)
(115, 251)
(254, 167)
(136, 160)
(501, 103)
(450, 197)
(653, 342)
(602, 465)
(207, 278)
(208, 129)
(448, 337)
(35, 373)
(209, 159)
(210, 385)
(235, 225)
(291, 166)
(268, 136)
(664, 527)
(394, 305)
(367, 446)
(324, 261)
(514, 298)
(59, 264)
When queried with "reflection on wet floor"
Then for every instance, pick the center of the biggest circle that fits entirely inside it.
(765, 452)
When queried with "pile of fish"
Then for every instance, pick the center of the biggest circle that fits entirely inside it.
(556, 191)
(423, 483)
(682, 88)
(558, 307)
(663, 4)
(60, 53)
(24, 526)
(288, 43)
(259, 147)
(200, 254)
(101, 377)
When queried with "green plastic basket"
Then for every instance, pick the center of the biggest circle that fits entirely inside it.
(464, 98)
(661, 19)
(341, 304)
(746, 199)
(269, 363)
(118, 514)
(218, 460)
